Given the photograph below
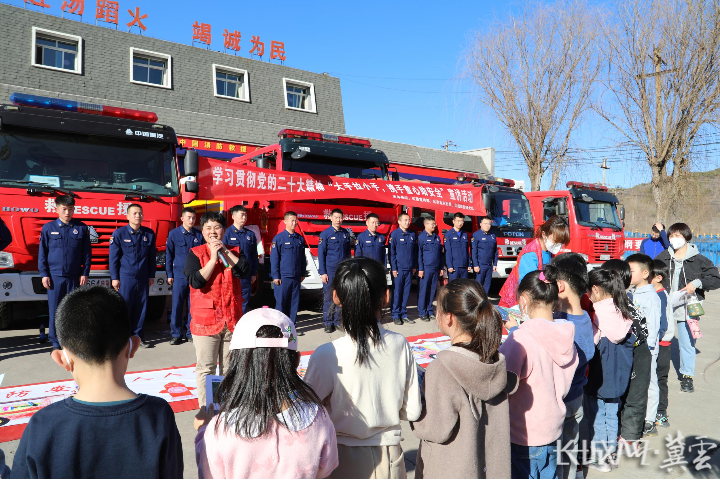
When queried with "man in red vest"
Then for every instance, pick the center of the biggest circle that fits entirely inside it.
(213, 272)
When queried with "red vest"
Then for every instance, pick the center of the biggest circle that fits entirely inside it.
(219, 302)
(508, 292)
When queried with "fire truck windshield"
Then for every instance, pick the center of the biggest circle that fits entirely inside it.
(596, 213)
(86, 162)
(321, 165)
(510, 209)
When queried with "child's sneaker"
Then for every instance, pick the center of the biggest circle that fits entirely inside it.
(662, 421)
(600, 466)
(650, 430)
(686, 384)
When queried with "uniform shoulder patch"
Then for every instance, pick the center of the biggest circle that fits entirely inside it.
(111, 239)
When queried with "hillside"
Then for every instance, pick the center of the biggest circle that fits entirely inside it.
(699, 208)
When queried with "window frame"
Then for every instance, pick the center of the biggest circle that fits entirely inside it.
(57, 36)
(235, 71)
(167, 84)
(300, 83)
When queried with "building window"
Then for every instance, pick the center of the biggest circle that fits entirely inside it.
(56, 51)
(150, 68)
(231, 83)
(299, 95)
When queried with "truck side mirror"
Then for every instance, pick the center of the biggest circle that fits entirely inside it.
(562, 208)
(622, 212)
(189, 191)
(487, 201)
(261, 162)
(395, 176)
(191, 163)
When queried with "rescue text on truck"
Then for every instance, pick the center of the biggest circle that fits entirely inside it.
(107, 158)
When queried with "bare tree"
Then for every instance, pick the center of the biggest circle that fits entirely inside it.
(536, 71)
(662, 86)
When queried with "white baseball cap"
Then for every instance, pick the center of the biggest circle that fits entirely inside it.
(245, 334)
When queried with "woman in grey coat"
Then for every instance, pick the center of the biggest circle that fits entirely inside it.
(465, 424)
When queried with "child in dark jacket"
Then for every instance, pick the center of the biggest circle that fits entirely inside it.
(611, 366)
(658, 401)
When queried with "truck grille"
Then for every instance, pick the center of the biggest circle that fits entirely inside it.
(602, 248)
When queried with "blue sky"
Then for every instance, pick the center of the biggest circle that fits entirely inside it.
(400, 65)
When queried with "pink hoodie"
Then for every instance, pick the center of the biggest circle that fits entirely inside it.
(609, 322)
(543, 355)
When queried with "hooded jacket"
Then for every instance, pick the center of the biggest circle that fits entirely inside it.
(695, 267)
(647, 301)
(465, 426)
(543, 356)
(610, 368)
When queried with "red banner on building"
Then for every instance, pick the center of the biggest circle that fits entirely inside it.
(233, 183)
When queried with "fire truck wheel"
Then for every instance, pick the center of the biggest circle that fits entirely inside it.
(6, 315)
(155, 308)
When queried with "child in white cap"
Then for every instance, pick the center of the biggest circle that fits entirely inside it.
(271, 424)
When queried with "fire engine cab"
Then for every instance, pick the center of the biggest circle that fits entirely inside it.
(595, 217)
(107, 158)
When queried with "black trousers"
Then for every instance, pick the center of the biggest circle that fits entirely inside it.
(632, 418)
(663, 369)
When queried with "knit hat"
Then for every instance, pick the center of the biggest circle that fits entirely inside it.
(245, 334)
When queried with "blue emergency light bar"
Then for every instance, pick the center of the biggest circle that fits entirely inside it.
(81, 107)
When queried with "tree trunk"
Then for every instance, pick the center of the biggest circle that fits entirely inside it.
(658, 185)
(535, 173)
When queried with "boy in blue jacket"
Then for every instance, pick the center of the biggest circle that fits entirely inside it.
(106, 429)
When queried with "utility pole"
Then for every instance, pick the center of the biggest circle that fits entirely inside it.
(449, 144)
(605, 168)
(658, 62)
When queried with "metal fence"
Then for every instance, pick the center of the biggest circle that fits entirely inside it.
(708, 245)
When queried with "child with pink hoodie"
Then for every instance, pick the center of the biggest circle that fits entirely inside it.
(542, 354)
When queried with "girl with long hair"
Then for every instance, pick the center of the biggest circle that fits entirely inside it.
(367, 378)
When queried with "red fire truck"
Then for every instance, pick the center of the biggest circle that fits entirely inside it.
(107, 158)
(314, 154)
(595, 217)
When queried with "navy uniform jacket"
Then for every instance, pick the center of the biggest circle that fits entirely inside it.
(64, 249)
(287, 256)
(246, 240)
(179, 243)
(457, 249)
(5, 236)
(371, 246)
(132, 254)
(333, 248)
(403, 250)
(430, 252)
(484, 249)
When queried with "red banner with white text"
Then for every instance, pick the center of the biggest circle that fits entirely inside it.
(225, 181)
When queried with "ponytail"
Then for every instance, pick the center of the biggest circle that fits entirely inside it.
(541, 285)
(470, 306)
(361, 286)
(612, 283)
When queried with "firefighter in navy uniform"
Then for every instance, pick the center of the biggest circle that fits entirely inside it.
(403, 262)
(333, 248)
(484, 253)
(430, 264)
(288, 266)
(132, 266)
(371, 244)
(239, 236)
(5, 236)
(64, 258)
(457, 249)
(179, 242)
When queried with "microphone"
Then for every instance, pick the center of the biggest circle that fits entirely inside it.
(223, 259)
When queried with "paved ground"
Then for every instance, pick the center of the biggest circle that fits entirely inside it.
(23, 360)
